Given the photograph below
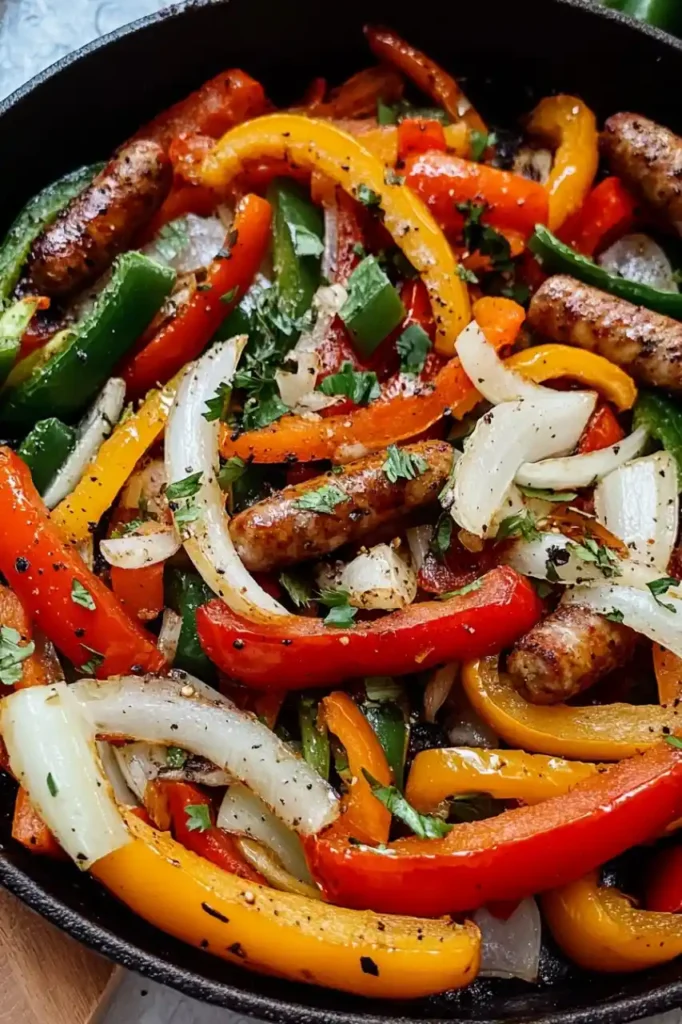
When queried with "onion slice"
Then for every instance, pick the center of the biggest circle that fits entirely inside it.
(51, 747)
(419, 541)
(496, 382)
(192, 448)
(178, 711)
(505, 438)
(639, 503)
(638, 258)
(556, 558)
(636, 608)
(149, 544)
(243, 812)
(511, 948)
(169, 634)
(379, 579)
(581, 470)
(141, 763)
(97, 425)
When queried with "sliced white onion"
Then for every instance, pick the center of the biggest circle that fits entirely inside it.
(638, 258)
(552, 556)
(640, 504)
(438, 689)
(192, 447)
(86, 550)
(482, 365)
(178, 711)
(419, 541)
(141, 763)
(148, 544)
(331, 238)
(267, 864)
(511, 948)
(123, 794)
(97, 425)
(516, 503)
(188, 243)
(51, 747)
(509, 435)
(297, 390)
(581, 470)
(639, 610)
(243, 812)
(379, 579)
(169, 634)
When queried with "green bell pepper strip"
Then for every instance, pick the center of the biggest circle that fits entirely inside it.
(185, 593)
(13, 323)
(45, 450)
(67, 383)
(388, 721)
(298, 244)
(373, 307)
(38, 214)
(661, 417)
(315, 742)
(557, 258)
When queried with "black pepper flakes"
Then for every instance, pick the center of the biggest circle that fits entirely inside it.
(368, 966)
(214, 913)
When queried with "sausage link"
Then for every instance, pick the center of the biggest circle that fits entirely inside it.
(648, 158)
(276, 532)
(566, 653)
(646, 344)
(101, 222)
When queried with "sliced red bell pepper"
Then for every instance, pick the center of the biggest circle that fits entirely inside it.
(229, 276)
(456, 569)
(29, 829)
(419, 135)
(519, 853)
(664, 884)
(209, 842)
(297, 652)
(57, 588)
(609, 210)
(140, 591)
(602, 431)
(337, 348)
(442, 181)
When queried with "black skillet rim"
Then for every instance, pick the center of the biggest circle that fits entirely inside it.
(621, 1010)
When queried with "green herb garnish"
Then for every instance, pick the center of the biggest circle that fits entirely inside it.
(403, 465)
(81, 596)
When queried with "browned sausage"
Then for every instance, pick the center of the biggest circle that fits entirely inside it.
(646, 344)
(101, 222)
(648, 158)
(276, 532)
(568, 651)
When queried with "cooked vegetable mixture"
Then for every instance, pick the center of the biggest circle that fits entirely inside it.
(341, 613)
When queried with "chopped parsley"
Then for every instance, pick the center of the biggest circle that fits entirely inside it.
(304, 241)
(426, 826)
(662, 586)
(323, 500)
(442, 536)
(186, 488)
(674, 741)
(81, 596)
(367, 196)
(467, 589)
(361, 386)
(413, 346)
(482, 238)
(172, 239)
(340, 614)
(523, 524)
(465, 274)
(538, 492)
(12, 653)
(479, 142)
(297, 588)
(391, 177)
(614, 615)
(90, 666)
(229, 297)
(198, 817)
(359, 250)
(231, 470)
(123, 529)
(403, 465)
(217, 407)
(52, 785)
(176, 757)
(597, 554)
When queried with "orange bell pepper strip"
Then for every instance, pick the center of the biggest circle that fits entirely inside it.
(566, 123)
(606, 732)
(344, 160)
(363, 816)
(668, 670)
(37, 669)
(520, 852)
(29, 829)
(442, 181)
(504, 774)
(78, 514)
(602, 430)
(419, 135)
(609, 210)
(283, 933)
(220, 104)
(383, 422)
(185, 336)
(664, 881)
(426, 75)
(600, 929)
(550, 362)
(48, 577)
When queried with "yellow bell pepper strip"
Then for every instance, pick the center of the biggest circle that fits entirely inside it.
(566, 123)
(382, 139)
(282, 933)
(78, 514)
(504, 774)
(600, 929)
(550, 362)
(321, 146)
(363, 817)
(606, 732)
(668, 669)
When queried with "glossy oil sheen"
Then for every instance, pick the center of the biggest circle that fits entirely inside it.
(512, 51)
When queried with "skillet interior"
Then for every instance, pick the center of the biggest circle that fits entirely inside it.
(79, 111)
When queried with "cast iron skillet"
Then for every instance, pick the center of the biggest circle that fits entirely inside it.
(78, 111)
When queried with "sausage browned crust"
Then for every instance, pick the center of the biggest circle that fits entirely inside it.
(648, 157)
(646, 344)
(102, 221)
(566, 653)
(276, 532)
